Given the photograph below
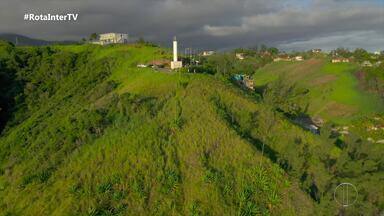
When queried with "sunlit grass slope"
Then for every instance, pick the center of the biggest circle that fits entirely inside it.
(334, 91)
(112, 139)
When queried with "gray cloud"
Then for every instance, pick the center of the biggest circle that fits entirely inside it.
(370, 40)
(205, 23)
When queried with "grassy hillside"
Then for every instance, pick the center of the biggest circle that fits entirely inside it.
(92, 134)
(334, 92)
(97, 136)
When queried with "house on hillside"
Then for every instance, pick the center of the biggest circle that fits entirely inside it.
(244, 80)
(278, 59)
(248, 82)
(112, 38)
(316, 50)
(336, 60)
(266, 54)
(160, 63)
(299, 58)
(339, 60)
(240, 56)
(366, 64)
(208, 53)
(307, 123)
(142, 65)
(282, 58)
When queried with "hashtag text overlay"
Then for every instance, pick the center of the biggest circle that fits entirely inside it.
(51, 17)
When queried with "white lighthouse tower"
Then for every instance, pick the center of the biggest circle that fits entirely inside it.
(175, 64)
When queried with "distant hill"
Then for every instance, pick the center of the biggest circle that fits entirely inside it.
(27, 41)
(335, 93)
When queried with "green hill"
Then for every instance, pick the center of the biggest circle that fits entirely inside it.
(22, 40)
(334, 91)
(89, 133)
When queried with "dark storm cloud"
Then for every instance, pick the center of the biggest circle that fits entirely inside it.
(208, 23)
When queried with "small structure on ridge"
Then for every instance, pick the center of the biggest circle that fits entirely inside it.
(175, 64)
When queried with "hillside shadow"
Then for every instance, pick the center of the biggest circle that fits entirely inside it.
(268, 152)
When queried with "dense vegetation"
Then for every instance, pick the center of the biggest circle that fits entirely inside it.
(372, 79)
(88, 133)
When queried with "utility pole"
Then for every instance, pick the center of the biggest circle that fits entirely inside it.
(199, 57)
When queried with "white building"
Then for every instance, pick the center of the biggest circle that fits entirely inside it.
(366, 64)
(175, 64)
(112, 38)
(208, 53)
(279, 59)
(316, 50)
(299, 58)
(240, 56)
(339, 60)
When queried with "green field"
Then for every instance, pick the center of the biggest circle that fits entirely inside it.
(334, 91)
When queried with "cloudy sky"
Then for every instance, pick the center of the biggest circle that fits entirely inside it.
(210, 24)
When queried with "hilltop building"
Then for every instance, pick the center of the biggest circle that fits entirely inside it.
(112, 38)
(299, 58)
(283, 57)
(208, 53)
(175, 64)
(366, 64)
(316, 50)
(240, 56)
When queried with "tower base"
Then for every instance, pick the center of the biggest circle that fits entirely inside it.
(176, 64)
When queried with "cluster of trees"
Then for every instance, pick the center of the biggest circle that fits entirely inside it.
(91, 37)
(226, 64)
(10, 86)
(46, 92)
(358, 54)
(30, 77)
(320, 163)
(286, 97)
(144, 42)
(372, 79)
(258, 51)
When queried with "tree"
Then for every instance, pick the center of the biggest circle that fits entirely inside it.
(361, 54)
(141, 41)
(93, 36)
(286, 97)
(10, 85)
(263, 48)
(342, 52)
(273, 50)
